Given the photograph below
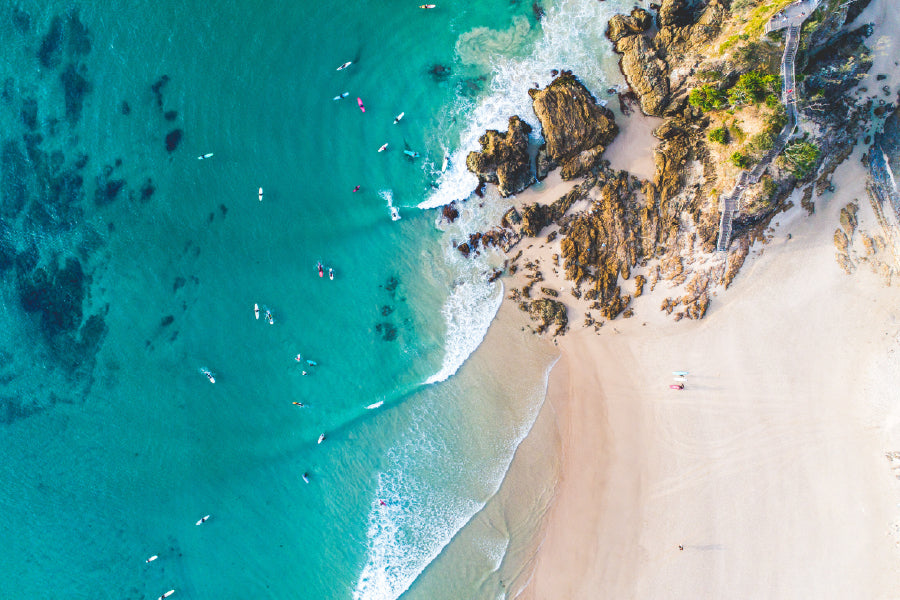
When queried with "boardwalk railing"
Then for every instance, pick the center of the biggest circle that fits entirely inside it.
(732, 202)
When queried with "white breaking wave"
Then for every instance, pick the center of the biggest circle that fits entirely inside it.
(405, 536)
(573, 38)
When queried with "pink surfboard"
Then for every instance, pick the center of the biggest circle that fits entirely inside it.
(361, 106)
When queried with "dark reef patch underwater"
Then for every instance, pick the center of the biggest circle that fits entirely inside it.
(51, 234)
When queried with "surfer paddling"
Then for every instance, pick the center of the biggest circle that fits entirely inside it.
(362, 106)
(260, 194)
(321, 269)
(166, 595)
(209, 375)
(341, 96)
(383, 148)
(345, 65)
(427, 6)
(398, 117)
(204, 156)
(152, 558)
(356, 189)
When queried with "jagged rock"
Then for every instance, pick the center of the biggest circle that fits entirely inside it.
(547, 312)
(534, 218)
(620, 26)
(504, 159)
(510, 218)
(838, 66)
(674, 13)
(841, 242)
(576, 129)
(450, 212)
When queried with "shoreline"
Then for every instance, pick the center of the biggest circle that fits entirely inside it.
(767, 456)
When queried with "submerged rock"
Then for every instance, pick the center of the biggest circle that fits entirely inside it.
(504, 158)
(576, 129)
(76, 87)
(57, 295)
(173, 139)
(51, 45)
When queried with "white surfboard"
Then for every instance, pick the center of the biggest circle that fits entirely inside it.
(398, 117)
(202, 521)
(383, 148)
(321, 439)
(376, 405)
(260, 194)
(152, 558)
(256, 311)
(166, 595)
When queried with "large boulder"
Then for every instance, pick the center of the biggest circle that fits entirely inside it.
(576, 129)
(504, 158)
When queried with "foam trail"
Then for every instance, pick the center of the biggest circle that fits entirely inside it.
(388, 197)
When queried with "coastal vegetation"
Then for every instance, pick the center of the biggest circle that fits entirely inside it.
(799, 157)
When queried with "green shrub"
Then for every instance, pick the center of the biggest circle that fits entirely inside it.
(709, 75)
(772, 101)
(799, 157)
(719, 135)
(761, 143)
(740, 159)
(708, 97)
(753, 87)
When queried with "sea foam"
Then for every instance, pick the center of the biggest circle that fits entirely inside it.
(572, 33)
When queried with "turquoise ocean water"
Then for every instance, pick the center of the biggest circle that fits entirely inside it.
(128, 268)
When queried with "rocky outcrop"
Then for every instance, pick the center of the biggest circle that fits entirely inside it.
(646, 62)
(547, 312)
(576, 129)
(621, 26)
(504, 159)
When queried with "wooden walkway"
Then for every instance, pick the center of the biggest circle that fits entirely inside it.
(791, 17)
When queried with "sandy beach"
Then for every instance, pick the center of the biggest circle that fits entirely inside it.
(776, 472)
(769, 469)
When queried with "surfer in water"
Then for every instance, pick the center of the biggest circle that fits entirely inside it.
(398, 117)
(321, 269)
(345, 65)
(356, 189)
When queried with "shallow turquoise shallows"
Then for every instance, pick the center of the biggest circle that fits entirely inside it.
(129, 268)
